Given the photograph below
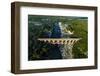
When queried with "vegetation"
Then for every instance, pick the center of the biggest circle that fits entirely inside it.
(41, 27)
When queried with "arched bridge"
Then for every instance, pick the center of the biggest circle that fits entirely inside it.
(68, 41)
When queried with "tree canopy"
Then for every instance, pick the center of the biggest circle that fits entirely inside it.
(41, 26)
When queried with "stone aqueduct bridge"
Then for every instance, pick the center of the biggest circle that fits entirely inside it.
(67, 45)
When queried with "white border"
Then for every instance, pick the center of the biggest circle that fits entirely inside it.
(25, 64)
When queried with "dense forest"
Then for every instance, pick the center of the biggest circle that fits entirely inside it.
(42, 26)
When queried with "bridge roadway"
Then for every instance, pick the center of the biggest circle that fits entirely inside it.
(68, 41)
